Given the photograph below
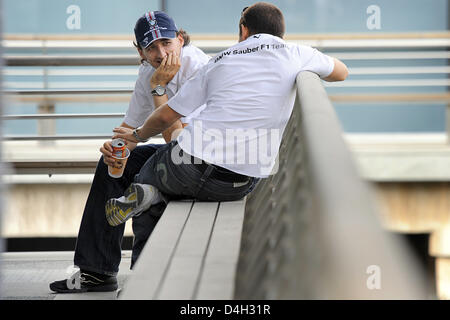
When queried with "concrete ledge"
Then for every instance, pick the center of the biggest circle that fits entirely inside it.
(404, 165)
(401, 157)
(379, 157)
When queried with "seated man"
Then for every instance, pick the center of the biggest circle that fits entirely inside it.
(249, 92)
(168, 61)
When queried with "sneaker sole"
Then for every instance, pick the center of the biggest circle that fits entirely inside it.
(118, 212)
(106, 288)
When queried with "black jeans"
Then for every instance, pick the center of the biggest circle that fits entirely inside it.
(187, 180)
(98, 246)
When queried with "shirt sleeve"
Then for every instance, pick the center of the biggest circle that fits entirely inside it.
(191, 95)
(196, 64)
(139, 108)
(315, 61)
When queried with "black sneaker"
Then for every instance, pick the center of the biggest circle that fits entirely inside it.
(88, 283)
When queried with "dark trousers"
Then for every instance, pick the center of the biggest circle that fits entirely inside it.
(188, 180)
(98, 246)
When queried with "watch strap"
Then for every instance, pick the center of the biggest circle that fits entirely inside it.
(137, 136)
(158, 88)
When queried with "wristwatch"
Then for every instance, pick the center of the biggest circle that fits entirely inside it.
(137, 136)
(159, 91)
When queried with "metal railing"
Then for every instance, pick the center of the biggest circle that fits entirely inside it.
(422, 47)
(311, 231)
(82, 60)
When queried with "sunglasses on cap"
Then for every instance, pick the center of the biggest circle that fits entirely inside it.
(242, 16)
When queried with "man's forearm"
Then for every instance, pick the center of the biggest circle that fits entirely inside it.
(160, 120)
(339, 73)
(171, 133)
(168, 133)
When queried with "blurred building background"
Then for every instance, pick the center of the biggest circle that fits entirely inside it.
(393, 108)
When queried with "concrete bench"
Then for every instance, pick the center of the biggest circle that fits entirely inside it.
(191, 254)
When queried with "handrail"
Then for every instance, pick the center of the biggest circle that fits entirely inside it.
(392, 83)
(72, 60)
(391, 97)
(45, 99)
(229, 36)
(61, 116)
(388, 55)
(340, 97)
(311, 231)
(60, 137)
(132, 60)
(67, 91)
(212, 43)
(133, 71)
(55, 137)
(54, 167)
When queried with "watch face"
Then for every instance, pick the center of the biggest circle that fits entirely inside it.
(160, 91)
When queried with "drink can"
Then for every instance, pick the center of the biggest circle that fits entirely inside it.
(118, 148)
(116, 170)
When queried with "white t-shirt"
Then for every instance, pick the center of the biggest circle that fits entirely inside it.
(141, 103)
(249, 91)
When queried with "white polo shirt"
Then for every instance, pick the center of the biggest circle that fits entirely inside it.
(249, 91)
(141, 103)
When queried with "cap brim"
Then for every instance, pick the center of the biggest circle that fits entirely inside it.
(164, 35)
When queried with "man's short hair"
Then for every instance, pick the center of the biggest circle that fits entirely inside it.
(263, 17)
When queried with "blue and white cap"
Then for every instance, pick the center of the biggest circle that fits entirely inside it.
(154, 25)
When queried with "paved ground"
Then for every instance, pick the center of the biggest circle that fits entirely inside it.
(26, 275)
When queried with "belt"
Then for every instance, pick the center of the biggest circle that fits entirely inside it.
(219, 173)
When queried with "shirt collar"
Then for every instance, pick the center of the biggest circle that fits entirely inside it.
(258, 36)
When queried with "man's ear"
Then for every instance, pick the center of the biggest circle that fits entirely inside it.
(141, 53)
(181, 39)
(244, 32)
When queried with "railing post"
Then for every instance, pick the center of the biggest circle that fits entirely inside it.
(46, 127)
